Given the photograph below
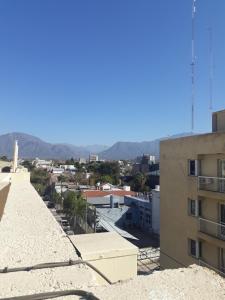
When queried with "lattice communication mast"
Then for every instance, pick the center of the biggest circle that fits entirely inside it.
(193, 65)
(211, 68)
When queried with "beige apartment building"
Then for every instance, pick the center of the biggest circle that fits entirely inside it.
(192, 207)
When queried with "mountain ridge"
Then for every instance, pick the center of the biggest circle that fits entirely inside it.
(31, 147)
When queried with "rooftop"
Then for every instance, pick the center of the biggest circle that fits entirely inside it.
(29, 235)
(97, 193)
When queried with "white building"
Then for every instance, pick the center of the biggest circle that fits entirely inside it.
(82, 160)
(69, 168)
(93, 158)
(42, 163)
(156, 210)
(57, 170)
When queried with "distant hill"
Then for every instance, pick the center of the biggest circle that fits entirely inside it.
(31, 147)
(130, 150)
(96, 148)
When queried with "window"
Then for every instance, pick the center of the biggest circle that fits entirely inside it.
(193, 167)
(128, 216)
(148, 219)
(199, 208)
(195, 248)
(194, 207)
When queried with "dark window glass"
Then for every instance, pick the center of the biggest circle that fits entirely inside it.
(200, 208)
(192, 207)
(192, 167)
(193, 247)
(200, 248)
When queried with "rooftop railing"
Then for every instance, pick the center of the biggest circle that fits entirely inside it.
(212, 228)
(212, 184)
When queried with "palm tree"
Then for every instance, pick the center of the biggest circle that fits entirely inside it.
(61, 178)
(74, 206)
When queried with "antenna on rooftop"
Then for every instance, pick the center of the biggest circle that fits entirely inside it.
(211, 65)
(193, 65)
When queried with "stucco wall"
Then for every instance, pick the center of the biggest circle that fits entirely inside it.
(176, 226)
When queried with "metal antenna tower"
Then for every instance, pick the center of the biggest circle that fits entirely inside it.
(211, 65)
(193, 65)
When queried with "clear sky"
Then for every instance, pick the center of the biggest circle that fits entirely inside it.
(100, 71)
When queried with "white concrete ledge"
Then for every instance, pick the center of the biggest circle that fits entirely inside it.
(29, 234)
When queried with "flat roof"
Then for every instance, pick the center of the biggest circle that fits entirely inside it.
(102, 245)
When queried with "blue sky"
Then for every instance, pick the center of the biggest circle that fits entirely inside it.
(97, 71)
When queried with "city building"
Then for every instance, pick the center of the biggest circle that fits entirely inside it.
(82, 160)
(69, 168)
(93, 158)
(42, 163)
(145, 211)
(38, 260)
(102, 198)
(57, 170)
(192, 207)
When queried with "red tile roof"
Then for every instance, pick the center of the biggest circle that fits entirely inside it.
(106, 193)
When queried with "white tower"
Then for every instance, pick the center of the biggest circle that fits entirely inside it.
(15, 156)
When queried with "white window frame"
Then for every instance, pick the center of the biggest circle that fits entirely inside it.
(196, 207)
(197, 248)
(197, 167)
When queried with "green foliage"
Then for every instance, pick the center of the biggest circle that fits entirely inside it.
(74, 204)
(105, 172)
(4, 158)
(70, 161)
(138, 183)
(55, 197)
(40, 188)
(62, 178)
(40, 179)
(27, 164)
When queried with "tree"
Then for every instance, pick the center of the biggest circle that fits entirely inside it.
(74, 205)
(102, 169)
(27, 164)
(4, 158)
(55, 197)
(138, 184)
(40, 180)
(70, 161)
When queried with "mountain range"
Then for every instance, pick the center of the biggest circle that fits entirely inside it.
(32, 147)
(130, 150)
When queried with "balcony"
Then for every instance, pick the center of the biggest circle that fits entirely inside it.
(212, 228)
(212, 184)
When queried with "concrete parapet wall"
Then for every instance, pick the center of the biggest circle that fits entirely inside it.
(4, 190)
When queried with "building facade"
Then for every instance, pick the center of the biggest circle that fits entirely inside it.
(192, 207)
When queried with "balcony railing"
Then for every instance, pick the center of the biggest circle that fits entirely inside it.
(212, 184)
(220, 271)
(212, 228)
